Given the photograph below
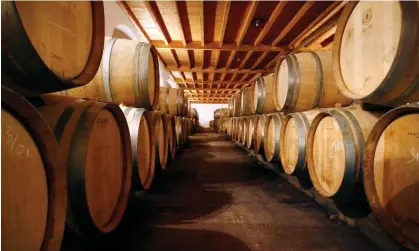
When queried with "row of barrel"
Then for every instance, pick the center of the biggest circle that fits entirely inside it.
(363, 160)
(370, 62)
(75, 162)
(45, 55)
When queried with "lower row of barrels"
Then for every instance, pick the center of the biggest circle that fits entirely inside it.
(75, 162)
(360, 159)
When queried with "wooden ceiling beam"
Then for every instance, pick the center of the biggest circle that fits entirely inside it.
(275, 14)
(334, 8)
(209, 89)
(211, 70)
(133, 18)
(213, 82)
(196, 45)
(306, 7)
(153, 9)
(319, 39)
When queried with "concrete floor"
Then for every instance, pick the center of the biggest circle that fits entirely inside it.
(215, 199)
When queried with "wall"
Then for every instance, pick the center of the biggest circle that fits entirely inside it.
(206, 112)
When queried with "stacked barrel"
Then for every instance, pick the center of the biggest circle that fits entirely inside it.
(220, 118)
(364, 155)
(82, 127)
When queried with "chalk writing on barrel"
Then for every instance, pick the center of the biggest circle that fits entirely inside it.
(415, 156)
(12, 142)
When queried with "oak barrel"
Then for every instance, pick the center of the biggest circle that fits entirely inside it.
(179, 130)
(293, 141)
(250, 131)
(175, 101)
(237, 104)
(98, 168)
(33, 179)
(304, 81)
(263, 95)
(259, 144)
(335, 150)
(376, 52)
(164, 99)
(142, 146)
(391, 173)
(247, 97)
(51, 46)
(272, 133)
(159, 134)
(221, 113)
(170, 136)
(128, 74)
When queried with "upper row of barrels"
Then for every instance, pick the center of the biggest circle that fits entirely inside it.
(61, 47)
(375, 59)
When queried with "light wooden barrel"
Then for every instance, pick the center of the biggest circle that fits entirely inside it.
(237, 104)
(221, 113)
(186, 106)
(51, 46)
(304, 81)
(175, 101)
(391, 173)
(179, 130)
(99, 168)
(247, 97)
(376, 52)
(231, 107)
(335, 150)
(293, 141)
(164, 99)
(128, 74)
(141, 144)
(245, 131)
(170, 136)
(250, 131)
(194, 113)
(263, 95)
(272, 135)
(240, 131)
(159, 134)
(259, 144)
(33, 179)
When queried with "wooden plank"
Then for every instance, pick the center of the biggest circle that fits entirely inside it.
(306, 7)
(211, 70)
(268, 25)
(224, 22)
(211, 89)
(196, 45)
(246, 22)
(318, 22)
(124, 5)
(158, 19)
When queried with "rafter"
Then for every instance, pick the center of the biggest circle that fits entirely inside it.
(277, 11)
(196, 45)
(306, 7)
(209, 89)
(334, 8)
(213, 82)
(211, 70)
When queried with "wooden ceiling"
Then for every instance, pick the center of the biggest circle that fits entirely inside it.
(215, 48)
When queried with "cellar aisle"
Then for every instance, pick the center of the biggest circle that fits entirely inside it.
(216, 199)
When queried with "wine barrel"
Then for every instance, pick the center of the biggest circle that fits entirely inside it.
(245, 131)
(391, 173)
(293, 141)
(128, 74)
(179, 130)
(194, 113)
(376, 52)
(159, 134)
(170, 136)
(221, 113)
(99, 168)
(247, 97)
(304, 81)
(33, 179)
(164, 99)
(240, 131)
(141, 145)
(175, 101)
(335, 149)
(231, 107)
(51, 46)
(272, 133)
(263, 95)
(237, 104)
(186, 106)
(250, 131)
